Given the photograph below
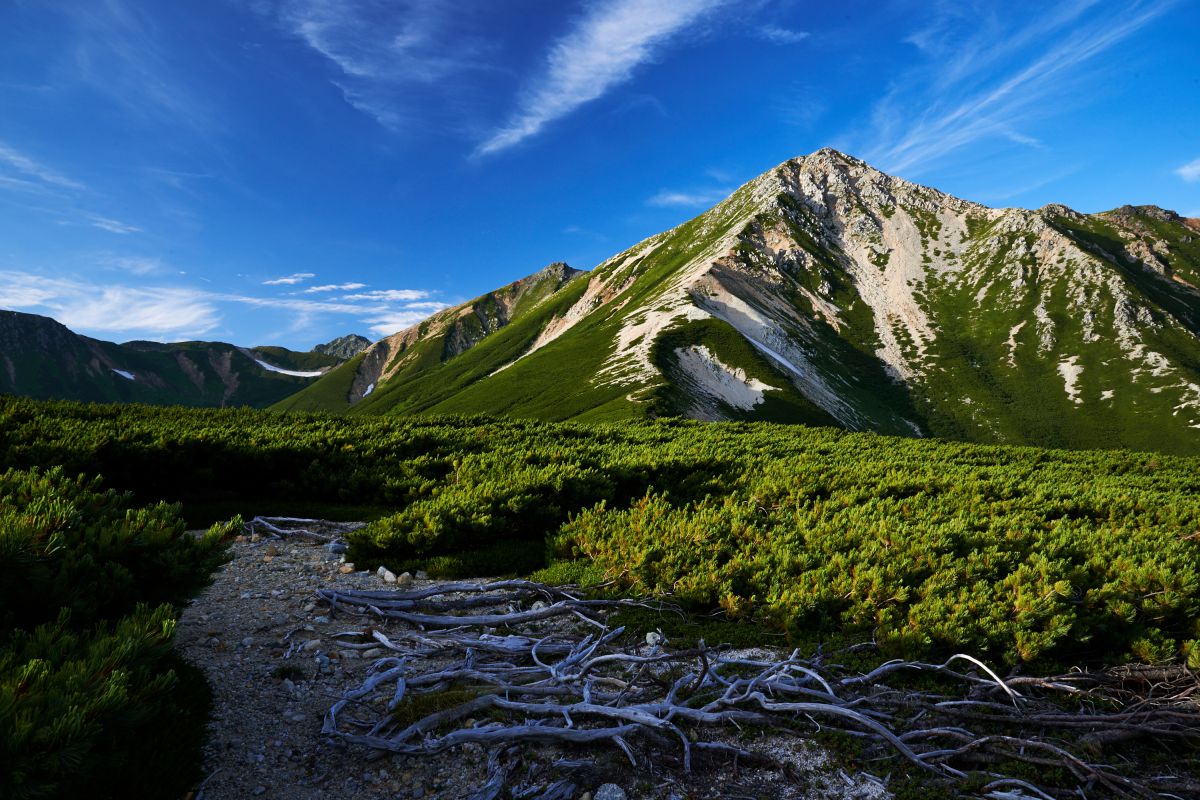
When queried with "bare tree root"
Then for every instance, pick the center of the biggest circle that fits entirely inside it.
(327, 531)
(535, 675)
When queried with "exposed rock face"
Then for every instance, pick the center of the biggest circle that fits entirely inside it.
(345, 347)
(886, 305)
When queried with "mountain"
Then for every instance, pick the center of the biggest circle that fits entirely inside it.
(827, 292)
(344, 348)
(42, 358)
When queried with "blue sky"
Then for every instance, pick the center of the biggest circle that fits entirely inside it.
(285, 171)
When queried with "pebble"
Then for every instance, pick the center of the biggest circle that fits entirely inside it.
(259, 790)
(404, 579)
(311, 644)
(346, 569)
(321, 620)
(248, 641)
(538, 605)
(388, 576)
(610, 791)
(654, 638)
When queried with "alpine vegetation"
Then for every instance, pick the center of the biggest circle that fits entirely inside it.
(827, 292)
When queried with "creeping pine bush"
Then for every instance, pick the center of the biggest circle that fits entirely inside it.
(93, 699)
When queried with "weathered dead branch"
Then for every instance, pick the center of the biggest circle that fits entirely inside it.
(533, 675)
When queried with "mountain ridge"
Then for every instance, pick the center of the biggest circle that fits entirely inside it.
(42, 358)
(850, 296)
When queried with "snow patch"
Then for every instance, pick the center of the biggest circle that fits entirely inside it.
(1107, 394)
(282, 371)
(1070, 370)
(370, 388)
(713, 377)
(126, 375)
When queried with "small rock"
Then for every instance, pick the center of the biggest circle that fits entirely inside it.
(214, 642)
(374, 652)
(381, 571)
(272, 550)
(538, 605)
(255, 538)
(244, 596)
(310, 645)
(404, 579)
(240, 538)
(289, 685)
(259, 790)
(655, 638)
(346, 569)
(248, 641)
(309, 607)
(389, 576)
(422, 575)
(585, 796)
(610, 791)
(268, 559)
(321, 620)
(336, 547)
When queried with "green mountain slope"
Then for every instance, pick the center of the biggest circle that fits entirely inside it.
(826, 292)
(41, 358)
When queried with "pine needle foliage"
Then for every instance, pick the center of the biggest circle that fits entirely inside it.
(93, 699)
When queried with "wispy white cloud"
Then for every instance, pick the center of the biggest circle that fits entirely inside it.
(778, 35)
(1190, 172)
(290, 280)
(41, 173)
(965, 94)
(387, 324)
(154, 311)
(109, 308)
(668, 198)
(389, 295)
(334, 287)
(601, 52)
(381, 49)
(135, 265)
(112, 225)
(428, 305)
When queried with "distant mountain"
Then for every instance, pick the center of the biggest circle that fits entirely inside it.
(42, 358)
(344, 348)
(825, 291)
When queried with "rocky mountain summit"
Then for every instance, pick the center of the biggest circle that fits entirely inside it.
(345, 347)
(825, 291)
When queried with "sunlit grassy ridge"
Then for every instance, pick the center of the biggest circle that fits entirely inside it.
(927, 546)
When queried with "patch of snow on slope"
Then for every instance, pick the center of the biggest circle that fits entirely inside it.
(370, 388)
(281, 371)
(728, 384)
(1070, 370)
(126, 375)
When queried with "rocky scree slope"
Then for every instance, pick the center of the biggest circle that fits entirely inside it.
(827, 292)
(42, 358)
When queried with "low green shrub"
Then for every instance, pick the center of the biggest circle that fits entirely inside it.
(93, 699)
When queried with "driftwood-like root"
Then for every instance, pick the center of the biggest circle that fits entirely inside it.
(534, 675)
